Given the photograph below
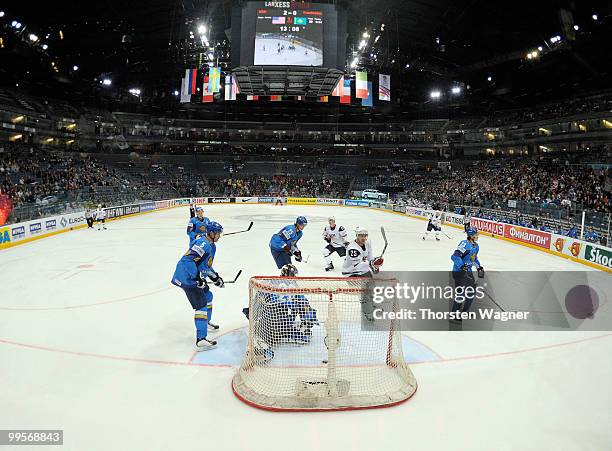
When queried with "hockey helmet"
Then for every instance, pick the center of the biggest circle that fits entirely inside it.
(471, 231)
(214, 227)
(289, 271)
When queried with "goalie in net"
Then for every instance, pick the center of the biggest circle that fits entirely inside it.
(281, 318)
(307, 349)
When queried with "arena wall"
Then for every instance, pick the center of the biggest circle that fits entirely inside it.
(586, 253)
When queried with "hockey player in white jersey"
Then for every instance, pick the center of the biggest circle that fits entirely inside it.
(359, 260)
(337, 241)
(100, 215)
(433, 225)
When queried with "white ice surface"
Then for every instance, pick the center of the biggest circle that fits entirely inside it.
(94, 340)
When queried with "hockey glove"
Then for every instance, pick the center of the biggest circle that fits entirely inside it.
(328, 239)
(298, 256)
(217, 280)
(480, 272)
(466, 268)
(378, 262)
(201, 284)
(374, 268)
(287, 248)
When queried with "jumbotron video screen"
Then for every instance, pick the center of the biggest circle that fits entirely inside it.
(286, 37)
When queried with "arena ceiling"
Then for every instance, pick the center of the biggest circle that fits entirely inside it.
(424, 44)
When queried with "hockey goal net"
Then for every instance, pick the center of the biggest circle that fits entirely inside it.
(307, 349)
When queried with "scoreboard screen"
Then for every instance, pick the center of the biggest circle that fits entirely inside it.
(289, 33)
(288, 37)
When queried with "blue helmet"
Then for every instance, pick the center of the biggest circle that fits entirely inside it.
(301, 220)
(471, 231)
(199, 209)
(214, 227)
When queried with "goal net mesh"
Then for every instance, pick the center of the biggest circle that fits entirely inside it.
(307, 349)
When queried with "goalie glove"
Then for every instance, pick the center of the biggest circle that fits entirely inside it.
(480, 272)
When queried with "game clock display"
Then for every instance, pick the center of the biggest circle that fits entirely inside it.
(289, 37)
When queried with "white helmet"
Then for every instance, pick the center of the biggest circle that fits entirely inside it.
(331, 218)
(360, 231)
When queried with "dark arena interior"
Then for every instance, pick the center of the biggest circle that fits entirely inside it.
(419, 124)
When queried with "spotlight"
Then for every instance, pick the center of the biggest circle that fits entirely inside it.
(576, 27)
(1, 13)
(107, 82)
(456, 90)
(435, 94)
(33, 37)
(134, 91)
(594, 16)
(176, 93)
(362, 44)
(75, 67)
(540, 49)
(45, 46)
(18, 25)
(202, 29)
(489, 78)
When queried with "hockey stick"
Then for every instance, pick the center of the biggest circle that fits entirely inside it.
(444, 233)
(235, 278)
(241, 231)
(384, 235)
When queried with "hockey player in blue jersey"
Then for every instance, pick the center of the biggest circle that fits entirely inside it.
(197, 225)
(284, 243)
(464, 258)
(191, 273)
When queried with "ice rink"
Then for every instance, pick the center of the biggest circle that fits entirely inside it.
(267, 54)
(95, 340)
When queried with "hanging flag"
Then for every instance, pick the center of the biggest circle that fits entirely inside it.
(230, 88)
(185, 98)
(346, 94)
(361, 85)
(369, 100)
(337, 92)
(235, 87)
(192, 80)
(324, 99)
(253, 98)
(384, 87)
(276, 98)
(214, 79)
(207, 96)
(185, 85)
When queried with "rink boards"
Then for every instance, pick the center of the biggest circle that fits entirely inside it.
(590, 254)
